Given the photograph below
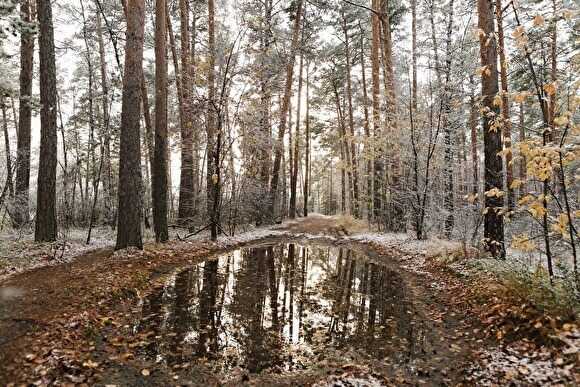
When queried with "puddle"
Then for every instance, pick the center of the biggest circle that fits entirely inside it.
(282, 307)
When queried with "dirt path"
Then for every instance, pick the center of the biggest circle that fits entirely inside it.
(73, 323)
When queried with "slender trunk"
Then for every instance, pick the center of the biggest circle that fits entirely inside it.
(414, 54)
(22, 186)
(395, 219)
(46, 227)
(186, 205)
(523, 162)
(106, 133)
(376, 149)
(65, 171)
(295, 162)
(473, 131)
(264, 150)
(130, 180)
(213, 154)
(160, 165)
(505, 105)
(553, 70)
(367, 149)
(9, 180)
(307, 145)
(91, 163)
(449, 201)
(353, 157)
(285, 107)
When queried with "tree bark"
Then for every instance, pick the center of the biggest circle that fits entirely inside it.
(186, 206)
(9, 180)
(351, 140)
(130, 179)
(295, 161)
(368, 148)
(307, 145)
(106, 132)
(213, 156)
(449, 201)
(46, 227)
(493, 218)
(376, 149)
(22, 186)
(505, 107)
(160, 164)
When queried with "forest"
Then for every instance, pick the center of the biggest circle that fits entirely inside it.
(289, 192)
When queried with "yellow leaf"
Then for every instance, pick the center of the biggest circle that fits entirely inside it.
(561, 226)
(537, 209)
(497, 101)
(550, 88)
(523, 243)
(539, 21)
(561, 120)
(471, 198)
(525, 200)
(494, 192)
(480, 71)
(518, 32)
(521, 97)
(516, 183)
(145, 372)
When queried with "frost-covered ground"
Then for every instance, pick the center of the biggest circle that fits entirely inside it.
(19, 251)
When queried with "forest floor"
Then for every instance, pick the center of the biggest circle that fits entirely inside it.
(71, 322)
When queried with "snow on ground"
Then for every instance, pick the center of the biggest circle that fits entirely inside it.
(19, 251)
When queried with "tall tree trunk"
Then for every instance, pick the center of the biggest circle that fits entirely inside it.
(376, 149)
(130, 180)
(186, 205)
(368, 148)
(346, 167)
(9, 180)
(523, 169)
(353, 157)
(473, 130)
(265, 147)
(505, 105)
(307, 144)
(414, 54)
(65, 171)
(213, 156)
(295, 161)
(553, 70)
(91, 163)
(46, 227)
(21, 211)
(493, 218)
(106, 132)
(449, 201)
(285, 107)
(160, 165)
(395, 219)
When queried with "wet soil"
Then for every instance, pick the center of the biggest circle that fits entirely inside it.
(276, 313)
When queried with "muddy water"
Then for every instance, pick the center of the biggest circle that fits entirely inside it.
(282, 307)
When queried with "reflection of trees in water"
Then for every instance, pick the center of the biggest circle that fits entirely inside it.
(254, 279)
(207, 309)
(245, 309)
(370, 306)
